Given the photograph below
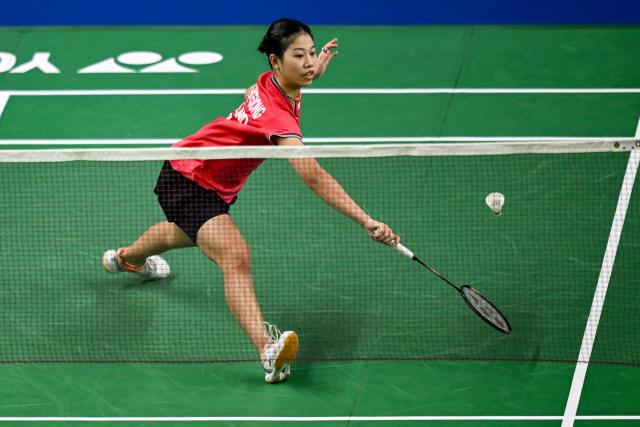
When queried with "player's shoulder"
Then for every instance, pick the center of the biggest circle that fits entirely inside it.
(264, 80)
(265, 88)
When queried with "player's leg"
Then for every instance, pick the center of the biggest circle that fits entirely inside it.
(157, 239)
(221, 241)
(174, 193)
(142, 258)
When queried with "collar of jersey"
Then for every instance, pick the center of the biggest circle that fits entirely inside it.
(287, 97)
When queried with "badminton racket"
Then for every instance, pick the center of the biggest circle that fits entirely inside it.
(477, 302)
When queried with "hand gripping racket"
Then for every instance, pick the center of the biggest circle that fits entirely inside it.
(477, 302)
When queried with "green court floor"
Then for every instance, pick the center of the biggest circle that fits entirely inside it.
(63, 327)
(323, 389)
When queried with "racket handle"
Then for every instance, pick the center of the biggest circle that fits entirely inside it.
(404, 250)
(399, 247)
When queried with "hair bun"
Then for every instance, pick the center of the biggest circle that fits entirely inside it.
(280, 34)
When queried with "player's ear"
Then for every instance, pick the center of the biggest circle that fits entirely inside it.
(274, 61)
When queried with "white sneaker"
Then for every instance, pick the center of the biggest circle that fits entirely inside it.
(154, 268)
(280, 351)
(278, 376)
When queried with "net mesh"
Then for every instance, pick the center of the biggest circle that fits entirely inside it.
(316, 271)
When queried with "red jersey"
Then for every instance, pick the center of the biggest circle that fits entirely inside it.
(266, 113)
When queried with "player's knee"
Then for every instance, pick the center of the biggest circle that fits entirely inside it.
(237, 261)
(174, 236)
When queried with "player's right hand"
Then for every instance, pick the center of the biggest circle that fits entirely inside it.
(381, 232)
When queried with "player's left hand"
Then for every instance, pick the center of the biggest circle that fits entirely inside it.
(325, 56)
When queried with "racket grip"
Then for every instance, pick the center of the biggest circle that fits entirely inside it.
(404, 250)
(399, 247)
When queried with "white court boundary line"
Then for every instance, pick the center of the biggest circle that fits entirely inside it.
(4, 95)
(328, 91)
(320, 419)
(601, 289)
(4, 98)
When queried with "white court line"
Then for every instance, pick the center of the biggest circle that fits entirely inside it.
(284, 419)
(607, 417)
(328, 91)
(335, 91)
(601, 289)
(318, 419)
(4, 98)
(333, 140)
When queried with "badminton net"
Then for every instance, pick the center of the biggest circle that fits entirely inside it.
(314, 270)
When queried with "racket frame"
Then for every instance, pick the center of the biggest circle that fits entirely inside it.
(409, 254)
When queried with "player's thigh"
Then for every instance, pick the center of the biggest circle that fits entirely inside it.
(220, 240)
(175, 237)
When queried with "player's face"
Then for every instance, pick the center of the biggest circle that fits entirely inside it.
(299, 61)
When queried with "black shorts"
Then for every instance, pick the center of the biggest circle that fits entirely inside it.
(186, 203)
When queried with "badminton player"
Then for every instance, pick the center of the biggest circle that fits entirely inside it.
(196, 195)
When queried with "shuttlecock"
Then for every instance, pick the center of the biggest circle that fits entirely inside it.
(495, 201)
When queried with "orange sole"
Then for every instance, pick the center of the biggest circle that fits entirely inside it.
(288, 353)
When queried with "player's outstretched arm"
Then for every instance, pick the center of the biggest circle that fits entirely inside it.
(332, 193)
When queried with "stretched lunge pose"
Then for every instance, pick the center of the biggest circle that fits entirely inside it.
(196, 195)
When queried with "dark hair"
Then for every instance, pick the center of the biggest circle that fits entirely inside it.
(280, 34)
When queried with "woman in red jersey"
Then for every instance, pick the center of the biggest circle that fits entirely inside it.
(196, 195)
